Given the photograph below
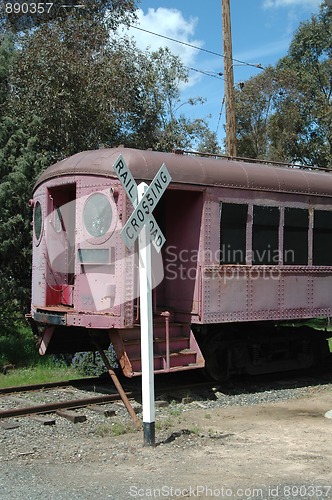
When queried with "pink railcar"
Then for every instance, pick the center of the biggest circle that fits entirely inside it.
(248, 248)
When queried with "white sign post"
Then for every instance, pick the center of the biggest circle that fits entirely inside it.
(142, 225)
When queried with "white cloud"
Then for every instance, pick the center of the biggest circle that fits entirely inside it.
(256, 54)
(268, 4)
(169, 23)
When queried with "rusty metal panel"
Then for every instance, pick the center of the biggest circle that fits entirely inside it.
(322, 291)
(296, 291)
(226, 291)
(264, 291)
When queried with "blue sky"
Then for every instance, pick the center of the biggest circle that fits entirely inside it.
(261, 34)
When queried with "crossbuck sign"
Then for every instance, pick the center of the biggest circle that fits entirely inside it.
(142, 225)
(143, 208)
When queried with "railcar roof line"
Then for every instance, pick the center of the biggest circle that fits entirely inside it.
(250, 160)
(195, 169)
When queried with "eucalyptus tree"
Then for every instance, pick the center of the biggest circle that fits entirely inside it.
(285, 113)
(254, 107)
(307, 99)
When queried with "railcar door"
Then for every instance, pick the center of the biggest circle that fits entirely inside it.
(60, 245)
(180, 216)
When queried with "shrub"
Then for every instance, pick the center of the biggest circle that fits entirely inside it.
(91, 363)
(18, 347)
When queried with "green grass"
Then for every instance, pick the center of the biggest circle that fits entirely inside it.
(18, 348)
(38, 374)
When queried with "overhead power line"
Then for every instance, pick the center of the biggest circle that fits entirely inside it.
(207, 73)
(197, 48)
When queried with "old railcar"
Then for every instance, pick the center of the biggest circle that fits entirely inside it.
(248, 248)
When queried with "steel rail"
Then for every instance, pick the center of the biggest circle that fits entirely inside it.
(81, 403)
(51, 407)
(50, 385)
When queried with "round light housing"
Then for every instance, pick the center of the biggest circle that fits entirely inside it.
(97, 215)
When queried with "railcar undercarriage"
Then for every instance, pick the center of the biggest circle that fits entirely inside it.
(255, 349)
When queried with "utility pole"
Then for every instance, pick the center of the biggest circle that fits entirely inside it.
(229, 80)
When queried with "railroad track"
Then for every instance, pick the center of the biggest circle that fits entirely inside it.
(44, 404)
(66, 399)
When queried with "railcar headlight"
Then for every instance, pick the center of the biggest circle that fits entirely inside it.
(97, 215)
(37, 220)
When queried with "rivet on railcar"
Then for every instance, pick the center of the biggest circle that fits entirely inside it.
(247, 262)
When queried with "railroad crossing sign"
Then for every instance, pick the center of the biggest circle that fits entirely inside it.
(142, 225)
(143, 208)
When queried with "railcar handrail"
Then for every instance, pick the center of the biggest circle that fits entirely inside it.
(251, 160)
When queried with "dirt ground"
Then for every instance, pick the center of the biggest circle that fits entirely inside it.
(273, 450)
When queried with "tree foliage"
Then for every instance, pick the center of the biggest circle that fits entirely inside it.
(21, 159)
(111, 13)
(91, 90)
(286, 113)
(254, 104)
(69, 82)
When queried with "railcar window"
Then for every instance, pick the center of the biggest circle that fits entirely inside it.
(97, 215)
(233, 223)
(38, 219)
(322, 238)
(265, 235)
(296, 226)
(58, 221)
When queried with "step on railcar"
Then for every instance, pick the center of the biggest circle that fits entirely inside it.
(247, 258)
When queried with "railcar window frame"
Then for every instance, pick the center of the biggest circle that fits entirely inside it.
(233, 237)
(38, 222)
(322, 238)
(300, 236)
(296, 236)
(266, 223)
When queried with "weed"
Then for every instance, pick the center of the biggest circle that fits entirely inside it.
(164, 424)
(114, 429)
(196, 430)
(174, 409)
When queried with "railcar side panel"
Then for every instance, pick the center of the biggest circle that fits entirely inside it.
(236, 289)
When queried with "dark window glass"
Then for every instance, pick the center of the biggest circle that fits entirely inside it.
(322, 238)
(265, 232)
(233, 233)
(296, 225)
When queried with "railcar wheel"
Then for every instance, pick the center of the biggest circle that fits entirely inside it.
(217, 359)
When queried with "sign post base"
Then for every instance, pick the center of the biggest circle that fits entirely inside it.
(149, 433)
